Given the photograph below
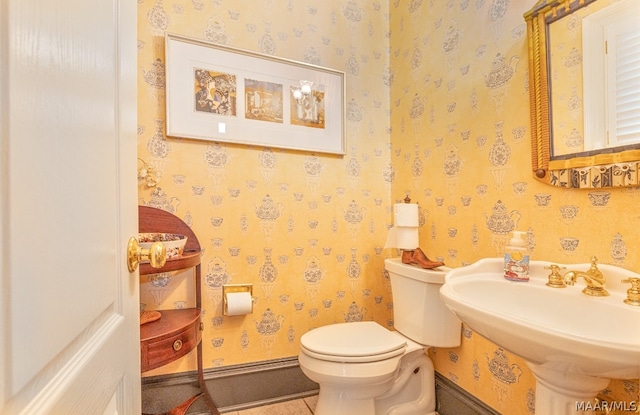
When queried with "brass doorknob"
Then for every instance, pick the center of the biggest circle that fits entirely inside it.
(156, 255)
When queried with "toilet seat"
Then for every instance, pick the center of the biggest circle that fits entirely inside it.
(358, 342)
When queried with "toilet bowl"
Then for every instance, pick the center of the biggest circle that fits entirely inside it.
(365, 369)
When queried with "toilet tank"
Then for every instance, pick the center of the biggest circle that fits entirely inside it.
(418, 311)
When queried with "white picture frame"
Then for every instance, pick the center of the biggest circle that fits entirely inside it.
(223, 94)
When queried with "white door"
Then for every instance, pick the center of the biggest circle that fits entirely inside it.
(68, 306)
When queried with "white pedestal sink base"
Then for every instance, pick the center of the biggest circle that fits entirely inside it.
(562, 393)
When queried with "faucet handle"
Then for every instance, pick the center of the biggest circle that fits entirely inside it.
(633, 293)
(555, 279)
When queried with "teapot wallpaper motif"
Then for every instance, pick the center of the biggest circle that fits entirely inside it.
(437, 109)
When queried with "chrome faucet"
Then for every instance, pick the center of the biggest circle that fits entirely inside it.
(593, 277)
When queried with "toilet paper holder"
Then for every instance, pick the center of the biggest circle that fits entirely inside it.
(234, 288)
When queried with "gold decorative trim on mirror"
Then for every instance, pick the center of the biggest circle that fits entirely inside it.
(610, 169)
(596, 176)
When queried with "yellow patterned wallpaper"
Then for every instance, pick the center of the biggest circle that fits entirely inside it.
(437, 108)
(316, 257)
(460, 128)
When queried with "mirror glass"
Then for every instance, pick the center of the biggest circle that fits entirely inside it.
(578, 54)
(584, 62)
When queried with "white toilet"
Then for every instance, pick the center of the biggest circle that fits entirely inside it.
(364, 369)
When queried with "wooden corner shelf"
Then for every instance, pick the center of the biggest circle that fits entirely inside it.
(176, 332)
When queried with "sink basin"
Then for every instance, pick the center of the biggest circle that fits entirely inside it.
(569, 340)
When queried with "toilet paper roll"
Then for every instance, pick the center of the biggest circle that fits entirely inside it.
(405, 214)
(402, 237)
(238, 304)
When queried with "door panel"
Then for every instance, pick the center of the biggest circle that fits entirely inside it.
(69, 204)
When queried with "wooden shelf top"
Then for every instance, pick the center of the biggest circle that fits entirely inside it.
(170, 323)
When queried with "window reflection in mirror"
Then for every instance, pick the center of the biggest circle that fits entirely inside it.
(594, 64)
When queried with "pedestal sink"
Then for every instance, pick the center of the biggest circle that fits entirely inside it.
(573, 343)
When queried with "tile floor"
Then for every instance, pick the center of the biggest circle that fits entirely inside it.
(297, 407)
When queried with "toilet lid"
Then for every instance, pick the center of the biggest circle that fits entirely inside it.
(365, 341)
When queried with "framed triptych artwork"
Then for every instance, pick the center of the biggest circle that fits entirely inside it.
(218, 93)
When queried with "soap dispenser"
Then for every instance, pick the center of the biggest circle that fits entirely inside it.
(516, 259)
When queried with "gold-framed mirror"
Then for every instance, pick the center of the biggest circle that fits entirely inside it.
(565, 150)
